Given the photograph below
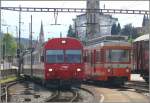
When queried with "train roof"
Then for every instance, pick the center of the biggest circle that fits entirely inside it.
(110, 43)
(63, 43)
(142, 38)
(107, 38)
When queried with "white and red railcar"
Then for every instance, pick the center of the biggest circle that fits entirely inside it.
(61, 62)
(141, 56)
(107, 59)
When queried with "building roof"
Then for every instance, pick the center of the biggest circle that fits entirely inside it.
(142, 38)
(108, 38)
(106, 15)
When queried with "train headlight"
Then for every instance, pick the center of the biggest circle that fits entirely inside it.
(127, 70)
(78, 69)
(63, 41)
(50, 69)
(108, 70)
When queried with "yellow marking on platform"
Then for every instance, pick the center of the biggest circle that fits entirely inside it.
(8, 79)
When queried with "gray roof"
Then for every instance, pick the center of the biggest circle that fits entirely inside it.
(142, 38)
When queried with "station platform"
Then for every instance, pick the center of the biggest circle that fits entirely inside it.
(136, 77)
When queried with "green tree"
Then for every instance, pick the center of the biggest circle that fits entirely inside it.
(114, 29)
(118, 28)
(71, 33)
(127, 30)
(130, 31)
(9, 45)
(144, 21)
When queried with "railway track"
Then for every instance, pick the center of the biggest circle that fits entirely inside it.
(4, 90)
(76, 95)
(54, 95)
(138, 86)
(27, 91)
(63, 96)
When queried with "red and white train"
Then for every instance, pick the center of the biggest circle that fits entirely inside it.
(61, 62)
(108, 58)
(141, 56)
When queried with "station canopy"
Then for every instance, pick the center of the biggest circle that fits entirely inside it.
(142, 38)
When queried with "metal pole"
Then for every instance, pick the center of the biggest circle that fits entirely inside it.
(29, 42)
(19, 67)
(6, 93)
(0, 54)
(149, 48)
(31, 49)
(17, 35)
(7, 29)
(76, 34)
(60, 34)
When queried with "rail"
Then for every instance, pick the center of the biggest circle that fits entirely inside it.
(59, 95)
(138, 86)
(4, 90)
(75, 95)
(53, 96)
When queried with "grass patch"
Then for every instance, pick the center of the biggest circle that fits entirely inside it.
(8, 79)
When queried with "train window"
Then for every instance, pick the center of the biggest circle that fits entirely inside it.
(73, 56)
(117, 55)
(54, 56)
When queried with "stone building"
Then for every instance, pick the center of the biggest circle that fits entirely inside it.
(145, 24)
(93, 24)
(104, 26)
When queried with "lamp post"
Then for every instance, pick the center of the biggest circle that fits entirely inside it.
(31, 45)
(19, 48)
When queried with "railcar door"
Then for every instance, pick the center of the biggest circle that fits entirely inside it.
(93, 61)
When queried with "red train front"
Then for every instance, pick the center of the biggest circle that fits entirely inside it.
(108, 60)
(58, 62)
(63, 60)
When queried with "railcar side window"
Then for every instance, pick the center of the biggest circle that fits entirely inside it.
(117, 55)
(73, 56)
(54, 56)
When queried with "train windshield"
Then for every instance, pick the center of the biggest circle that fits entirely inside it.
(73, 56)
(117, 55)
(54, 56)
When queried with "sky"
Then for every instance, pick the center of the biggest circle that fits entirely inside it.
(65, 19)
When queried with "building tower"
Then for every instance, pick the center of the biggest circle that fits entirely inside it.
(41, 40)
(92, 18)
(41, 35)
(145, 24)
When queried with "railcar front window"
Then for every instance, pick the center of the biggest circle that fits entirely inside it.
(117, 56)
(54, 56)
(73, 56)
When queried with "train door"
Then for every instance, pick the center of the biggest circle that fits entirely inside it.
(86, 62)
(106, 57)
(92, 60)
